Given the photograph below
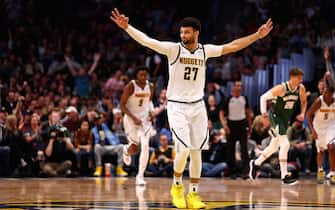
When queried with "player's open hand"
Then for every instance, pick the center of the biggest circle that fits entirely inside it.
(120, 19)
(265, 29)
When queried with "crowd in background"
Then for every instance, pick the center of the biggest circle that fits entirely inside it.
(64, 65)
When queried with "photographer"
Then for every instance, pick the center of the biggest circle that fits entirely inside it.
(59, 146)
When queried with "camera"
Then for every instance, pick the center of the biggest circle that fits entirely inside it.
(161, 160)
(58, 132)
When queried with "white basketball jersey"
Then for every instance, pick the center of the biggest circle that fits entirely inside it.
(138, 102)
(325, 116)
(187, 74)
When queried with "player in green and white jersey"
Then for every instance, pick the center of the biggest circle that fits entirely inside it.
(284, 97)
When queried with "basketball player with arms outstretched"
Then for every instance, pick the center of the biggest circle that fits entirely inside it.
(136, 104)
(186, 109)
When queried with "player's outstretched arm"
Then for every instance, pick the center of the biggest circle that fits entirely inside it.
(121, 20)
(244, 42)
(329, 76)
(238, 44)
(329, 65)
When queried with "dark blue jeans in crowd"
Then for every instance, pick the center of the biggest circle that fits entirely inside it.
(213, 170)
(84, 161)
(161, 171)
(4, 161)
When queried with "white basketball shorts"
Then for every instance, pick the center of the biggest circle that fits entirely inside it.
(189, 125)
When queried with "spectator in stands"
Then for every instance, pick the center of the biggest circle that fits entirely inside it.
(4, 146)
(114, 86)
(15, 139)
(71, 120)
(161, 160)
(153, 62)
(258, 130)
(117, 126)
(106, 143)
(25, 120)
(91, 116)
(33, 144)
(10, 102)
(301, 148)
(83, 143)
(214, 160)
(82, 77)
(213, 112)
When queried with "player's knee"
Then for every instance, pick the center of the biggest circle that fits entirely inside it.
(195, 153)
(285, 146)
(184, 152)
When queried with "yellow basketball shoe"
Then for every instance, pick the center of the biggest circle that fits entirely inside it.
(177, 194)
(320, 177)
(194, 201)
(98, 171)
(332, 180)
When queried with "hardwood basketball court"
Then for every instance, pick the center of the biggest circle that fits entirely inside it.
(121, 193)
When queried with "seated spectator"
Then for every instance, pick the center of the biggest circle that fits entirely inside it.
(83, 141)
(106, 143)
(4, 147)
(259, 131)
(91, 116)
(154, 140)
(214, 159)
(71, 121)
(161, 160)
(117, 126)
(32, 146)
(57, 161)
(253, 151)
(301, 146)
(14, 137)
